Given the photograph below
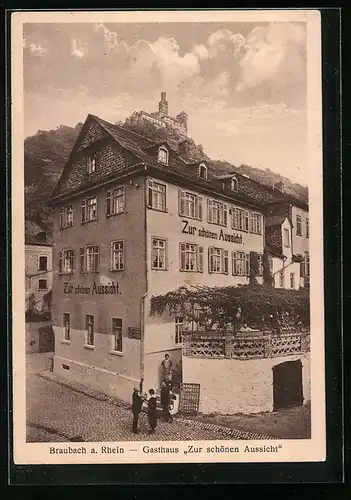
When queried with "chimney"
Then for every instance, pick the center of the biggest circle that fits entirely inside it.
(163, 104)
(184, 148)
(182, 118)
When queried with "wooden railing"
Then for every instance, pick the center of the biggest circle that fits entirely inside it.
(244, 346)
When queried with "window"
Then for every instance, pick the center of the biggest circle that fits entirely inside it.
(89, 326)
(234, 184)
(256, 223)
(286, 237)
(307, 264)
(240, 264)
(89, 259)
(67, 326)
(298, 225)
(179, 324)
(66, 216)
(115, 201)
(217, 212)
(89, 210)
(91, 163)
(163, 155)
(218, 260)
(281, 278)
(307, 228)
(117, 334)
(117, 256)
(203, 171)
(189, 205)
(191, 257)
(67, 261)
(259, 264)
(42, 285)
(43, 263)
(157, 196)
(240, 219)
(158, 254)
(292, 280)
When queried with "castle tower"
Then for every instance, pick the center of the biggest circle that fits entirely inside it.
(163, 104)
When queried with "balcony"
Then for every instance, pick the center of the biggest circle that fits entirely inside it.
(256, 345)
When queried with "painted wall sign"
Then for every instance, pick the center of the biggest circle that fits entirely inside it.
(111, 289)
(204, 233)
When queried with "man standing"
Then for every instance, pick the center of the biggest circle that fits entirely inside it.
(165, 401)
(152, 411)
(167, 368)
(137, 403)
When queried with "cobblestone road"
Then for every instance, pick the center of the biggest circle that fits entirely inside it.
(56, 413)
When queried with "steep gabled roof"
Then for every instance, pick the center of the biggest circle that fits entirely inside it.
(276, 220)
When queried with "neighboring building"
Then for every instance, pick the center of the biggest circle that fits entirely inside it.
(38, 278)
(287, 238)
(133, 220)
(161, 118)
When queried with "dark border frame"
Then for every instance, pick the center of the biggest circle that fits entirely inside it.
(324, 472)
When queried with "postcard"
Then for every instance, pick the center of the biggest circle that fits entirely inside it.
(167, 237)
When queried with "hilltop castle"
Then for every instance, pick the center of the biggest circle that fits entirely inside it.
(161, 117)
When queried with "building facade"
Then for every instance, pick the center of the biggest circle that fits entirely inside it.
(38, 275)
(133, 220)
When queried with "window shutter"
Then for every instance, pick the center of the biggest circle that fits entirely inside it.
(200, 259)
(108, 203)
(234, 263)
(246, 221)
(181, 197)
(96, 208)
(225, 261)
(302, 269)
(96, 257)
(182, 256)
(61, 217)
(210, 253)
(209, 210)
(225, 214)
(199, 207)
(82, 266)
(149, 195)
(73, 261)
(247, 264)
(83, 209)
(60, 262)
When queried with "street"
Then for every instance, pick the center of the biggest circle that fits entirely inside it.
(56, 413)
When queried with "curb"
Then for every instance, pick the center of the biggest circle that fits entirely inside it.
(226, 431)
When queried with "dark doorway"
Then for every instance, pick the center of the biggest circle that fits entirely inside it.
(46, 339)
(287, 385)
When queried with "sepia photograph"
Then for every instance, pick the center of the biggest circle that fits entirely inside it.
(167, 225)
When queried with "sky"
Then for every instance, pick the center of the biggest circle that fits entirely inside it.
(243, 85)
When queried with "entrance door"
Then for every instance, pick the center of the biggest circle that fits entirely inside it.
(287, 385)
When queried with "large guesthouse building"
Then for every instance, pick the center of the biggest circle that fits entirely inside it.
(134, 219)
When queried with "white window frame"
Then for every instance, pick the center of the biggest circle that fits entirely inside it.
(220, 209)
(282, 278)
(86, 208)
(178, 330)
(85, 254)
(66, 216)
(46, 285)
(240, 263)
(203, 170)
(240, 219)
(259, 264)
(286, 240)
(114, 329)
(47, 260)
(117, 249)
(156, 250)
(255, 223)
(63, 258)
(292, 280)
(163, 151)
(234, 184)
(185, 198)
(87, 343)
(160, 190)
(66, 328)
(191, 254)
(91, 163)
(115, 201)
(298, 225)
(217, 255)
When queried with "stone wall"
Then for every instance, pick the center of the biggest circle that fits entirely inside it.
(239, 386)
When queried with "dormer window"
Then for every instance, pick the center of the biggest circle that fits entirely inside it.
(163, 155)
(203, 171)
(91, 163)
(234, 184)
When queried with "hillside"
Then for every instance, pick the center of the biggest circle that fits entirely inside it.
(46, 152)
